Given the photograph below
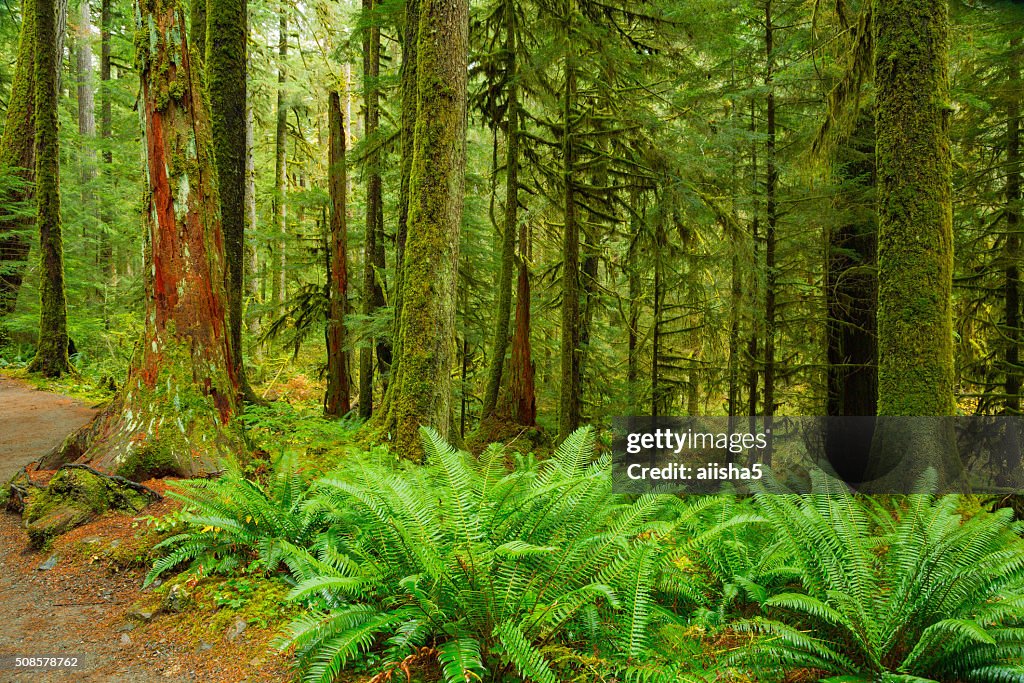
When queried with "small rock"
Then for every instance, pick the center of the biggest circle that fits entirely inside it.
(177, 600)
(125, 640)
(125, 628)
(204, 646)
(236, 629)
(50, 563)
(144, 616)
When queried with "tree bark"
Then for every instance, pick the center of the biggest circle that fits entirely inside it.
(226, 67)
(771, 215)
(173, 415)
(570, 387)
(106, 260)
(199, 25)
(336, 402)
(51, 357)
(509, 235)
(373, 261)
(86, 100)
(1011, 295)
(278, 290)
(436, 189)
(915, 242)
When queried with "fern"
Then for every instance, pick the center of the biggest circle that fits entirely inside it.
(485, 567)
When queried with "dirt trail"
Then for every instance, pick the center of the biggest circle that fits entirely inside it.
(62, 602)
(32, 422)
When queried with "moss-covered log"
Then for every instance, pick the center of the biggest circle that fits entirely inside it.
(52, 349)
(173, 415)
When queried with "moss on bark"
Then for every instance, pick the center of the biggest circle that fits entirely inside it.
(51, 357)
(174, 413)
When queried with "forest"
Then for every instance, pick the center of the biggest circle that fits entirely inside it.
(333, 305)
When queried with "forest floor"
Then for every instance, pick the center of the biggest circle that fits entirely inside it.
(82, 596)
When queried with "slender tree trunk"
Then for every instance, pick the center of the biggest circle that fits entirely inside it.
(106, 254)
(510, 234)
(659, 299)
(570, 387)
(771, 214)
(278, 292)
(252, 282)
(1014, 333)
(522, 392)
(174, 413)
(410, 37)
(336, 402)
(634, 283)
(17, 153)
(436, 187)
(226, 67)
(52, 349)
(752, 342)
(373, 254)
(86, 101)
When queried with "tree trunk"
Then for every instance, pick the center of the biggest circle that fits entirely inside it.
(436, 188)
(508, 237)
(771, 214)
(570, 387)
(522, 394)
(253, 267)
(86, 100)
(373, 254)
(278, 293)
(52, 349)
(633, 276)
(17, 154)
(336, 402)
(226, 60)
(1014, 333)
(851, 299)
(410, 36)
(106, 260)
(173, 415)
(915, 237)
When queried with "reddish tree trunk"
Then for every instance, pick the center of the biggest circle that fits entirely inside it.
(174, 413)
(337, 400)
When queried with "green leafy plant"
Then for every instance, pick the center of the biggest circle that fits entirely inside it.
(495, 573)
(918, 593)
(234, 521)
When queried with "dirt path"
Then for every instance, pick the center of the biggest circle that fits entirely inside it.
(32, 422)
(81, 604)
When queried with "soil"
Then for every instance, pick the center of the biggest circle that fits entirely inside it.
(86, 604)
(32, 422)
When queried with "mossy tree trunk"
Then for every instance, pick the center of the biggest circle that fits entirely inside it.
(173, 415)
(410, 38)
(771, 224)
(510, 231)
(226, 62)
(423, 389)
(199, 25)
(915, 244)
(1011, 289)
(17, 157)
(17, 153)
(106, 251)
(52, 349)
(336, 402)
